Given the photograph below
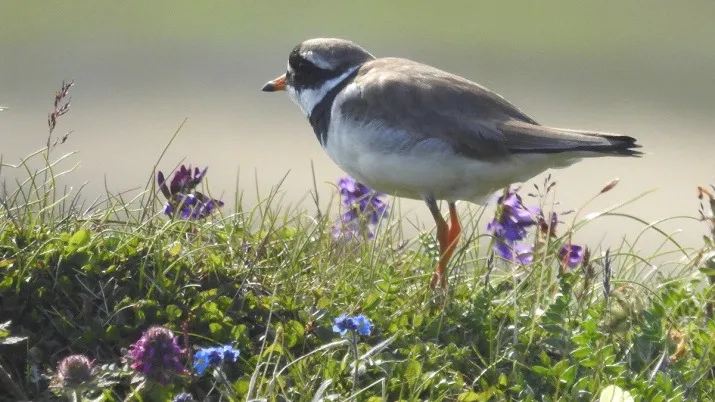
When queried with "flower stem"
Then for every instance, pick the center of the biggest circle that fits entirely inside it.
(357, 358)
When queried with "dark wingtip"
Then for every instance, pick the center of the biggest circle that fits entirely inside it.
(618, 145)
(625, 145)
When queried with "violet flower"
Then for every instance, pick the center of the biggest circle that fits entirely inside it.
(363, 208)
(182, 198)
(156, 355)
(571, 255)
(510, 227)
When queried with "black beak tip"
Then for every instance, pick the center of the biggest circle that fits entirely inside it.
(268, 87)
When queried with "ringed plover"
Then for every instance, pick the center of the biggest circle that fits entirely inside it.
(414, 131)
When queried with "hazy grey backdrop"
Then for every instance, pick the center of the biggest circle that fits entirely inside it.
(643, 68)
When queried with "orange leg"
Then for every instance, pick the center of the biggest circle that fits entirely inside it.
(447, 237)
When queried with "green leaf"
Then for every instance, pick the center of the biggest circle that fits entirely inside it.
(294, 333)
(471, 396)
(173, 312)
(417, 320)
(413, 371)
(216, 259)
(541, 370)
(568, 375)
(560, 367)
(111, 333)
(175, 249)
(323, 303)
(215, 328)
(503, 380)
(554, 329)
(242, 385)
(707, 271)
(614, 393)
(275, 348)
(545, 359)
(580, 353)
(238, 332)
(588, 362)
(80, 238)
(6, 283)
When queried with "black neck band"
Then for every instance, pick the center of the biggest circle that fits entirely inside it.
(320, 115)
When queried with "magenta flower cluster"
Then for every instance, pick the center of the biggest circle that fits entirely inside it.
(156, 355)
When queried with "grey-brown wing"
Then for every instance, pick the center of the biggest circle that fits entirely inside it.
(431, 105)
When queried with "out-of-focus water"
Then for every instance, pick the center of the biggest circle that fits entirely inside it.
(640, 68)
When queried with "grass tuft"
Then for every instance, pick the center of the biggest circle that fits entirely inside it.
(269, 280)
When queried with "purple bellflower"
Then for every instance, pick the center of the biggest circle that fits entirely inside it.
(362, 210)
(510, 226)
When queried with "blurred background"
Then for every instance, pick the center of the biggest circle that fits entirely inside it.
(642, 68)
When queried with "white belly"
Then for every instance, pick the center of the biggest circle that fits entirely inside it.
(381, 158)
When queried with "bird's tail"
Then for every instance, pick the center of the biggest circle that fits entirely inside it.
(524, 138)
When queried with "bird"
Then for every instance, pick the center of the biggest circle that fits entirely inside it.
(414, 131)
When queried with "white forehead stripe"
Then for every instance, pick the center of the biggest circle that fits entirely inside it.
(318, 61)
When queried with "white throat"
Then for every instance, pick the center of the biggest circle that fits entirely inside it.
(308, 98)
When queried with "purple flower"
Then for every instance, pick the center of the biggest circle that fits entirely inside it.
(184, 180)
(524, 254)
(363, 208)
(571, 255)
(509, 227)
(182, 198)
(521, 253)
(206, 357)
(74, 371)
(514, 219)
(156, 355)
(359, 324)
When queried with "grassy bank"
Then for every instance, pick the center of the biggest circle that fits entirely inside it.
(269, 283)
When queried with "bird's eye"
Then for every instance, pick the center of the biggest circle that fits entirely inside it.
(303, 73)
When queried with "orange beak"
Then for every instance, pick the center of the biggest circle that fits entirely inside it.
(279, 84)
